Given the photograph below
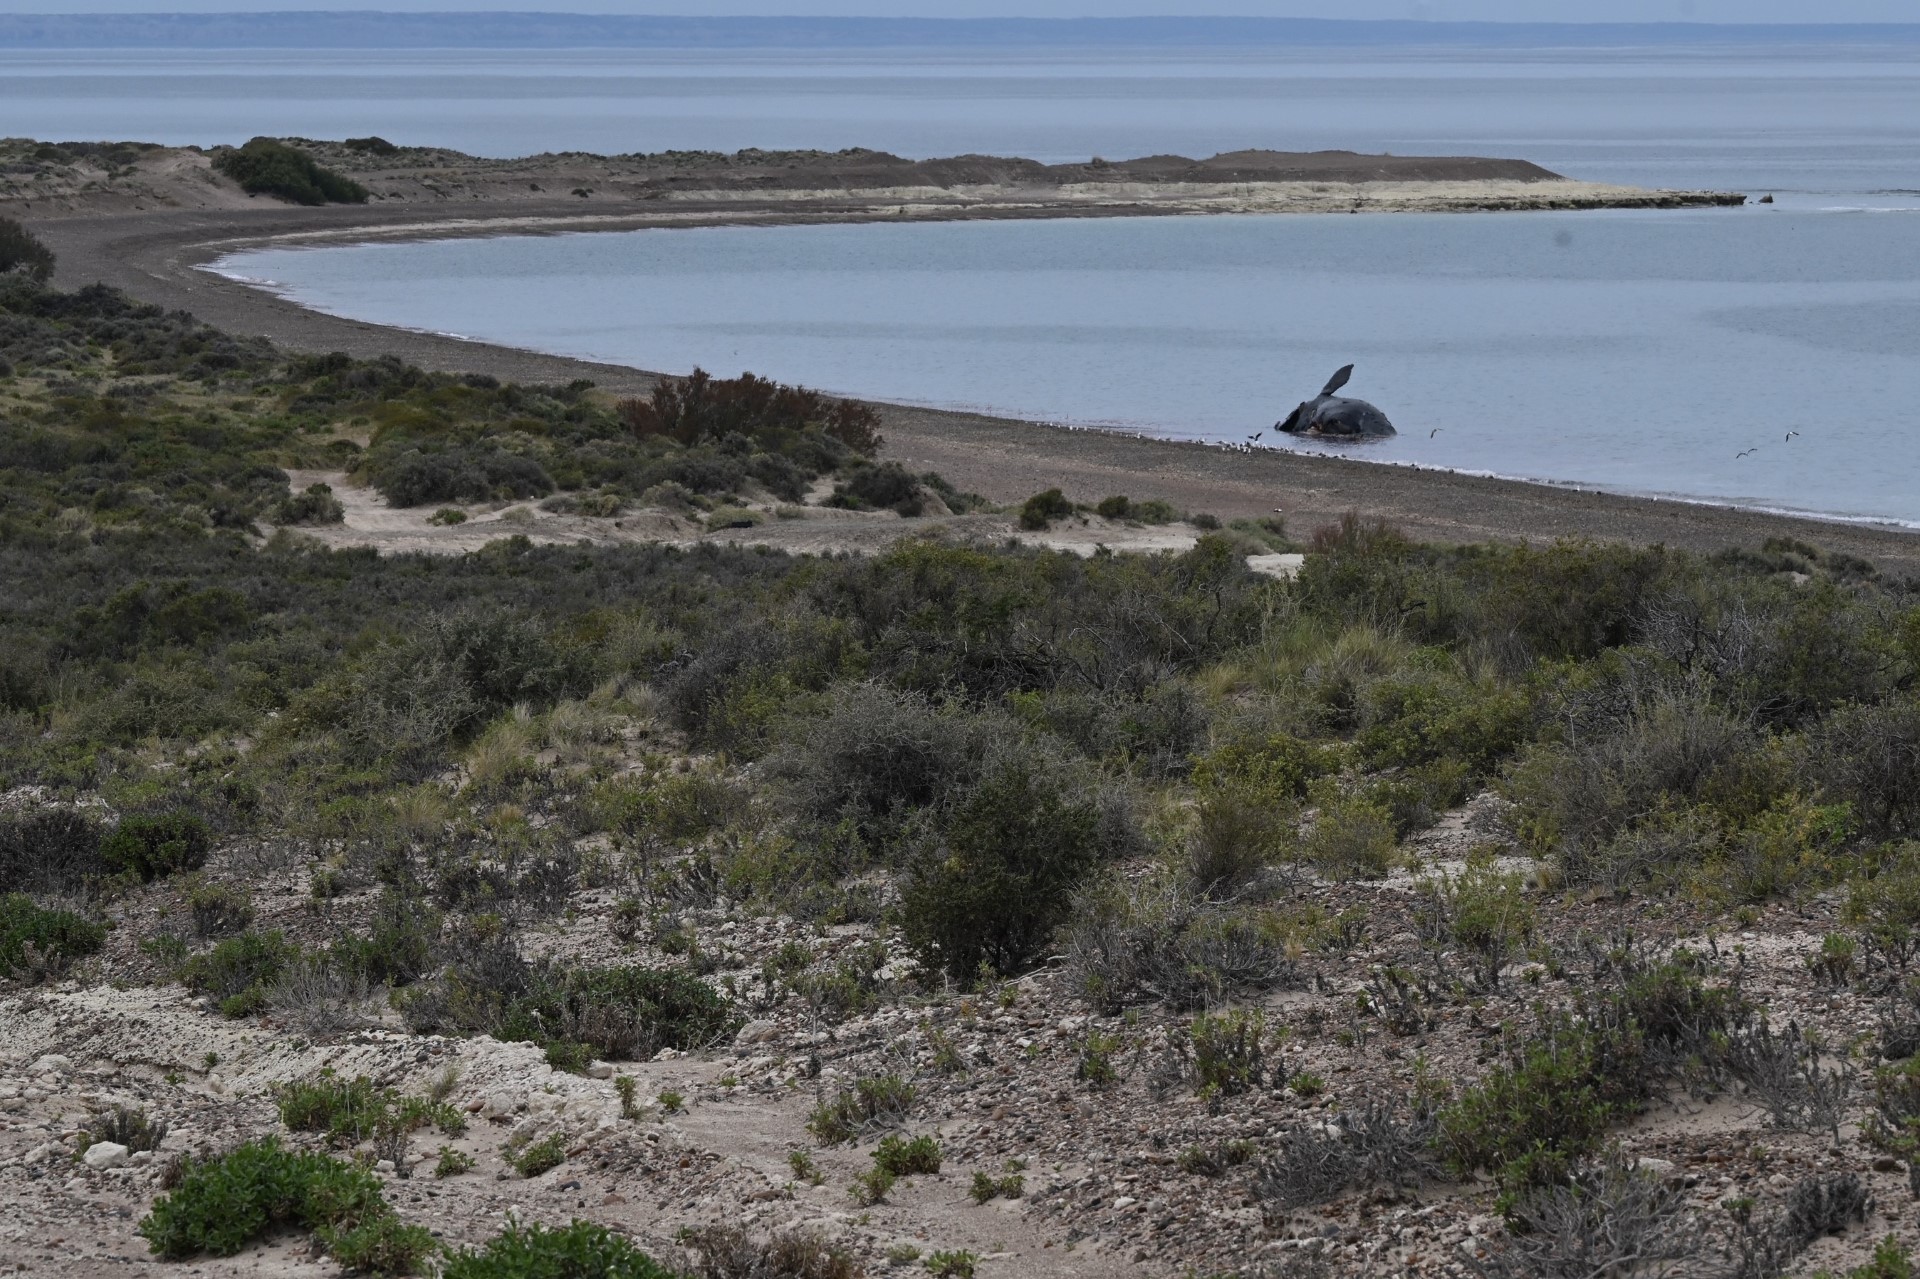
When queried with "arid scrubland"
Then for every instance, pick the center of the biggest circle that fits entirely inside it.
(960, 908)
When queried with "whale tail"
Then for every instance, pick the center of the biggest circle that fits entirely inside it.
(1338, 380)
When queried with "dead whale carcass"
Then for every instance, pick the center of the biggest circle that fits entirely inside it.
(1329, 416)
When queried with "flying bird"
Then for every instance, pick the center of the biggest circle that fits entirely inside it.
(1744, 452)
(1790, 435)
(1435, 431)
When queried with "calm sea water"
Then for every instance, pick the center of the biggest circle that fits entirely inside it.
(1638, 352)
(1819, 119)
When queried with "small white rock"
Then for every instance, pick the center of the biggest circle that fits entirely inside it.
(50, 1064)
(106, 1154)
(600, 1070)
(757, 1032)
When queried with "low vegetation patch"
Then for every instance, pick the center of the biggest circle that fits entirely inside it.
(267, 166)
(220, 1206)
(35, 941)
(562, 1252)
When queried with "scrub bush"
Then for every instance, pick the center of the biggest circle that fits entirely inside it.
(48, 850)
(907, 1157)
(729, 1252)
(221, 1205)
(22, 251)
(239, 974)
(873, 1102)
(1000, 876)
(700, 408)
(352, 1111)
(573, 1251)
(886, 486)
(1042, 509)
(38, 942)
(266, 166)
(534, 1158)
(154, 847)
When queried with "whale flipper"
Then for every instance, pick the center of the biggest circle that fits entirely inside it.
(1338, 380)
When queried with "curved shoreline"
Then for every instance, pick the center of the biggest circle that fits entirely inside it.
(158, 256)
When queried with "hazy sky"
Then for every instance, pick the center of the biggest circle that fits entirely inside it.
(1462, 10)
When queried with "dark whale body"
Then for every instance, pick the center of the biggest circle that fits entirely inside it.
(1329, 416)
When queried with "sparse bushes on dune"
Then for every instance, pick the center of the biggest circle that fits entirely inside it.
(700, 408)
(267, 166)
(22, 251)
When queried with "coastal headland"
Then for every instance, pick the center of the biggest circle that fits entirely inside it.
(147, 221)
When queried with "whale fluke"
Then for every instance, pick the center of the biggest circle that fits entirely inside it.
(1328, 416)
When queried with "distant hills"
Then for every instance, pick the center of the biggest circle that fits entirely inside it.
(371, 30)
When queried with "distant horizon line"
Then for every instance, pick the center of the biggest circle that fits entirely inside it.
(902, 20)
(525, 31)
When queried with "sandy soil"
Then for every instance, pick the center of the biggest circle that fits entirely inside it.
(802, 530)
(1105, 1191)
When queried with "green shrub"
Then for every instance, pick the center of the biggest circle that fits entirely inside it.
(1043, 509)
(34, 940)
(1532, 1118)
(1413, 722)
(401, 945)
(619, 1013)
(536, 1157)
(22, 251)
(1229, 1052)
(350, 1112)
(1001, 878)
(240, 971)
(1277, 767)
(221, 1205)
(265, 166)
(908, 1157)
(451, 1163)
(1531, 1121)
(153, 847)
(873, 1102)
(1095, 1066)
(872, 1186)
(1116, 507)
(1885, 907)
(886, 486)
(1486, 912)
(314, 504)
(734, 517)
(383, 1246)
(950, 1265)
(219, 909)
(1353, 838)
(986, 1186)
(580, 1250)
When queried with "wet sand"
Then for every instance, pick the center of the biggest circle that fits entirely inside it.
(154, 255)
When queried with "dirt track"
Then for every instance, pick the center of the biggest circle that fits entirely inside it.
(153, 255)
